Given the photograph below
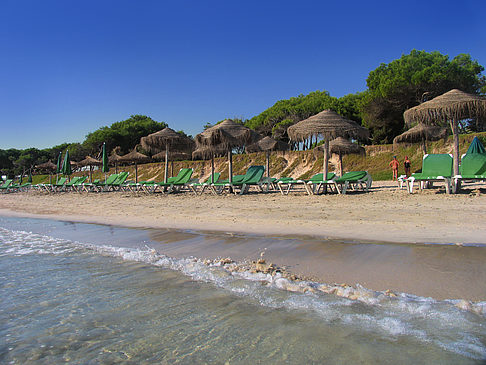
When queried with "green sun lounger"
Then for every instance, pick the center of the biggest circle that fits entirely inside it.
(176, 184)
(18, 187)
(353, 179)
(58, 186)
(285, 185)
(210, 180)
(472, 168)
(435, 167)
(252, 178)
(119, 182)
(317, 182)
(101, 185)
(79, 184)
(4, 187)
(68, 186)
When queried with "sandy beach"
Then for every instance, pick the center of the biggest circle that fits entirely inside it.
(384, 215)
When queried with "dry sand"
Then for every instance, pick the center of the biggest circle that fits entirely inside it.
(385, 214)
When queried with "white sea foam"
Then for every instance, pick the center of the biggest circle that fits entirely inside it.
(444, 323)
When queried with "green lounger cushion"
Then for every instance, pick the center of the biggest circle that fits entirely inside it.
(435, 166)
(352, 176)
(473, 166)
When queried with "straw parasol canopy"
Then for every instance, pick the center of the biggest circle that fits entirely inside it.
(451, 107)
(342, 146)
(48, 166)
(267, 144)
(169, 140)
(328, 125)
(90, 161)
(115, 158)
(136, 158)
(421, 133)
(226, 136)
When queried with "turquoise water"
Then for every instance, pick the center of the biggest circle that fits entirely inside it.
(85, 294)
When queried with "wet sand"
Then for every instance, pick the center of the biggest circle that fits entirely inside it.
(372, 239)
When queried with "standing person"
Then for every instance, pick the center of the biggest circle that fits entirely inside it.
(394, 165)
(406, 166)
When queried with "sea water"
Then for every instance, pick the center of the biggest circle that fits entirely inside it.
(91, 294)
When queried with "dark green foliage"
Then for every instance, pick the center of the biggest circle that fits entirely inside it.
(410, 80)
(125, 134)
(291, 111)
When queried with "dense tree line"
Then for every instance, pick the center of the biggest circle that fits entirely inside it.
(392, 89)
(125, 134)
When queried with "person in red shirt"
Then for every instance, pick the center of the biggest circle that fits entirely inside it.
(394, 165)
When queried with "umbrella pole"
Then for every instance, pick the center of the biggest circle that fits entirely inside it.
(341, 170)
(50, 179)
(455, 135)
(90, 173)
(230, 162)
(116, 168)
(166, 171)
(136, 173)
(326, 162)
(268, 163)
(424, 146)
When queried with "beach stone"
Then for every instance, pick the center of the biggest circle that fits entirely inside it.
(464, 305)
(226, 261)
(389, 293)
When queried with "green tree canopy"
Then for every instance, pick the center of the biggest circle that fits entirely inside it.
(410, 80)
(125, 134)
(293, 109)
(276, 119)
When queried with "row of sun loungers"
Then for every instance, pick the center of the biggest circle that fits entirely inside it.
(240, 184)
(439, 167)
(435, 168)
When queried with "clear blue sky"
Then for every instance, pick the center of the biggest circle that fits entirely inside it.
(70, 67)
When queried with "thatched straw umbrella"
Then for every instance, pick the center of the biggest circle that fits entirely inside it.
(135, 157)
(115, 159)
(451, 107)
(329, 125)
(167, 139)
(421, 133)
(48, 167)
(226, 135)
(267, 144)
(90, 161)
(342, 146)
